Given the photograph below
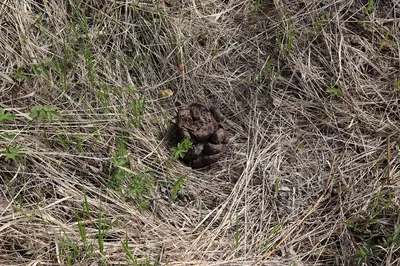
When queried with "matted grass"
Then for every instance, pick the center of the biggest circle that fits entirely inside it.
(310, 91)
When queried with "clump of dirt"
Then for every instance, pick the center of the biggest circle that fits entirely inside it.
(203, 125)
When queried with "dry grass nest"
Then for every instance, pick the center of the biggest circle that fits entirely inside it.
(310, 93)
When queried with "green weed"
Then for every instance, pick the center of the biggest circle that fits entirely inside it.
(26, 73)
(274, 230)
(254, 5)
(39, 22)
(267, 69)
(82, 232)
(395, 238)
(285, 41)
(137, 107)
(87, 248)
(376, 208)
(6, 116)
(102, 230)
(266, 242)
(71, 141)
(320, 23)
(69, 251)
(279, 40)
(61, 69)
(359, 227)
(7, 136)
(386, 42)
(89, 61)
(364, 254)
(334, 91)
(397, 85)
(140, 185)
(128, 253)
(292, 33)
(182, 148)
(369, 9)
(177, 185)
(163, 121)
(21, 75)
(373, 241)
(41, 68)
(85, 206)
(44, 113)
(120, 161)
(131, 260)
(137, 185)
(12, 153)
(75, 253)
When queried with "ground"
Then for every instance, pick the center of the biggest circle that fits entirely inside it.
(310, 93)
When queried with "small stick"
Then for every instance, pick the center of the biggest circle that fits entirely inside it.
(388, 159)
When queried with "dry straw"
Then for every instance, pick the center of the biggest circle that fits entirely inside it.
(86, 176)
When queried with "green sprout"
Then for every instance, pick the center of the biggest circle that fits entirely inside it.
(44, 113)
(182, 148)
(334, 91)
(177, 185)
(5, 116)
(12, 153)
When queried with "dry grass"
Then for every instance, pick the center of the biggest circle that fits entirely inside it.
(310, 91)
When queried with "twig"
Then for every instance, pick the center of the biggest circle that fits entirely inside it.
(388, 159)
